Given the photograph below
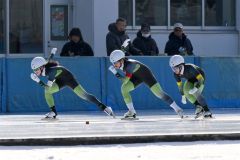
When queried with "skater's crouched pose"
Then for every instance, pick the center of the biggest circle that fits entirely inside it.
(59, 77)
(132, 73)
(193, 87)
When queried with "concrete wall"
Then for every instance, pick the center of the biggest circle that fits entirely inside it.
(105, 12)
(83, 17)
(93, 17)
(238, 23)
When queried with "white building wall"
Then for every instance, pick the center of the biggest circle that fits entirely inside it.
(94, 16)
(218, 44)
(204, 44)
(105, 12)
(83, 17)
(238, 23)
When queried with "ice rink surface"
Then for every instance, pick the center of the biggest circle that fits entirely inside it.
(199, 150)
(72, 127)
(155, 123)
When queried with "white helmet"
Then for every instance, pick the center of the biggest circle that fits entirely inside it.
(116, 55)
(176, 60)
(38, 62)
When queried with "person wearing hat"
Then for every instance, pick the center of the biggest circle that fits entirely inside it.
(178, 43)
(77, 46)
(145, 42)
(133, 73)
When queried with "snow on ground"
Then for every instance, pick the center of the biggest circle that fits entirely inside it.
(204, 150)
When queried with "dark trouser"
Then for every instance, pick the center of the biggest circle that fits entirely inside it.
(71, 82)
(144, 75)
(196, 98)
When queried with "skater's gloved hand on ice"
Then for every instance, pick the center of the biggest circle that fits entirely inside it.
(35, 77)
(184, 100)
(112, 69)
(193, 91)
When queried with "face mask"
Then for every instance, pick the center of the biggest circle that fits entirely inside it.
(146, 35)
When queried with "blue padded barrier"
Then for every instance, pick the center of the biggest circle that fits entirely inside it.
(20, 94)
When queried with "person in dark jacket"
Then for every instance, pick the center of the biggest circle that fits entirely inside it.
(178, 43)
(118, 39)
(145, 42)
(76, 46)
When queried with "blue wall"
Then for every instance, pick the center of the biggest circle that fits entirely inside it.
(20, 94)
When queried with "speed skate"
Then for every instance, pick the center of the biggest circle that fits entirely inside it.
(130, 118)
(49, 119)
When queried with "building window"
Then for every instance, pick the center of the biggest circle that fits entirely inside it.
(153, 12)
(2, 27)
(188, 12)
(26, 26)
(59, 22)
(218, 13)
(125, 10)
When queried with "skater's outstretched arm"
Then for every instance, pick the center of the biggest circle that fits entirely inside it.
(124, 77)
(53, 52)
(35, 78)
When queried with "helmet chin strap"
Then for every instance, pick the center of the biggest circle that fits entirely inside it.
(181, 67)
(122, 65)
(43, 72)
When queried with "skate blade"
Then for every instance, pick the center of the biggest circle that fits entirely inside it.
(204, 118)
(212, 117)
(113, 116)
(49, 119)
(184, 117)
(198, 116)
(130, 119)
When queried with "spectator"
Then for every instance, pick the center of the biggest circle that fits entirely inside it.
(178, 43)
(116, 37)
(145, 42)
(76, 46)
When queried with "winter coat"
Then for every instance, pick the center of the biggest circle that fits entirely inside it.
(174, 43)
(77, 49)
(115, 39)
(147, 45)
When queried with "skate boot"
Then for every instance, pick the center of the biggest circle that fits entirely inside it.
(130, 114)
(180, 113)
(199, 111)
(51, 115)
(207, 114)
(109, 111)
